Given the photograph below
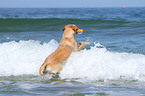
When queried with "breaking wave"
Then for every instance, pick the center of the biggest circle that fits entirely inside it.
(95, 63)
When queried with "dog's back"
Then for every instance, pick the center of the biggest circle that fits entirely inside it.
(60, 55)
(53, 62)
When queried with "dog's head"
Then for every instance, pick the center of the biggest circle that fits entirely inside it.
(74, 27)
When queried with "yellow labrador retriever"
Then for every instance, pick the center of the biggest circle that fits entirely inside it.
(53, 62)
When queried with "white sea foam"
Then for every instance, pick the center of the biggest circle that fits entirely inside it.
(25, 57)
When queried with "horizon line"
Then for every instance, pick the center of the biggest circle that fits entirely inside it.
(79, 7)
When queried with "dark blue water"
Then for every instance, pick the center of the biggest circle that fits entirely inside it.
(116, 28)
(114, 59)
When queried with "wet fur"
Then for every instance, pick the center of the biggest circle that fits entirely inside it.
(53, 63)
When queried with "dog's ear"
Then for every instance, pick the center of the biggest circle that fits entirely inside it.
(63, 28)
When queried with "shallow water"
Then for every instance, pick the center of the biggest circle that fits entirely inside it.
(35, 85)
(112, 65)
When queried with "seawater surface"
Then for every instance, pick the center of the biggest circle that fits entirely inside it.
(112, 65)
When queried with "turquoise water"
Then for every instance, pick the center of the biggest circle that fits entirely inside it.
(112, 65)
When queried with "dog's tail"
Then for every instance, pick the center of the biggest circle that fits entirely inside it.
(41, 70)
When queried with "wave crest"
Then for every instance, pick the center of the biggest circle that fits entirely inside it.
(96, 63)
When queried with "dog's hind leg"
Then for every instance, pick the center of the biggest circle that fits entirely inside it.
(54, 68)
(41, 70)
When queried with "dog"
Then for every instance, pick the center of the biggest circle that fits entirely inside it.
(53, 63)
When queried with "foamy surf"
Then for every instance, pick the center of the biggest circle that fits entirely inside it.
(96, 63)
(100, 64)
(24, 57)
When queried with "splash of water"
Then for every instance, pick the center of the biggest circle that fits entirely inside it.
(96, 63)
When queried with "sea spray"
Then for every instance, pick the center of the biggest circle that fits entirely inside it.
(100, 64)
(96, 63)
(24, 57)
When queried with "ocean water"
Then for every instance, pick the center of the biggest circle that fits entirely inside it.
(112, 65)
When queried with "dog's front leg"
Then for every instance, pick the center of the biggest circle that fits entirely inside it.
(78, 48)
